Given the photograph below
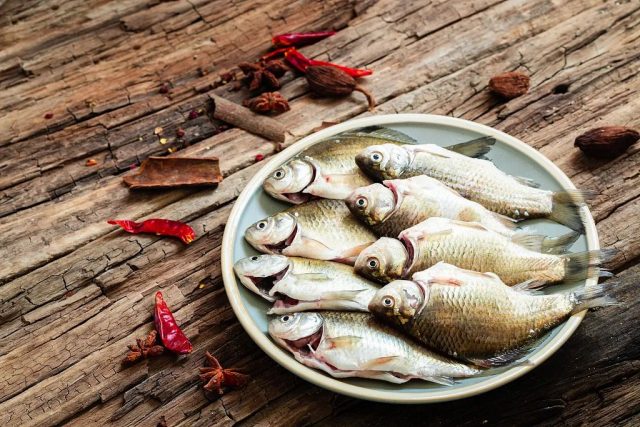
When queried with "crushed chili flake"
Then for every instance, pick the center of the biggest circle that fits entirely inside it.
(158, 130)
(163, 141)
(133, 166)
(170, 333)
(193, 114)
(180, 133)
(171, 150)
(143, 349)
(164, 88)
(259, 157)
(48, 116)
(217, 378)
(91, 162)
(160, 227)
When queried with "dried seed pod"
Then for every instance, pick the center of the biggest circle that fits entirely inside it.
(333, 82)
(268, 102)
(608, 142)
(510, 85)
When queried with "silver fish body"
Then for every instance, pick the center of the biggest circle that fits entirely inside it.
(475, 316)
(476, 179)
(350, 344)
(300, 284)
(320, 229)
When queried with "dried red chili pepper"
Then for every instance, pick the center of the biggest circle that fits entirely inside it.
(274, 53)
(301, 63)
(300, 39)
(171, 335)
(161, 227)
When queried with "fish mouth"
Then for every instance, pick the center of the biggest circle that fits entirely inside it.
(297, 198)
(281, 246)
(264, 284)
(411, 251)
(307, 344)
(283, 302)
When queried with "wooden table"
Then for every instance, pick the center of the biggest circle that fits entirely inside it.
(82, 80)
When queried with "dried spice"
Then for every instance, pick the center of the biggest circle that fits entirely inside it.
(217, 378)
(301, 63)
(607, 142)
(171, 335)
(164, 88)
(48, 116)
(162, 422)
(143, 349)
(193, 114)
(91, 162)
(510, 85)
(268, 102)
(259, 157)
(158, 131)
(180, 133)
(160, 227)
(235, 114)
(163, 172)
(263, 73)
(333, 82)
(300, 39)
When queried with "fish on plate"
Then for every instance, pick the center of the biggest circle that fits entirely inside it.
(475, 316)
(320, 229)
(328, 168)
(352, 344)
(476, 179)
(471, 246)
(301, 284)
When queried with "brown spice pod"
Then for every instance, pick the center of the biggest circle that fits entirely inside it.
(607, 142)
(330, 81)
(164, 172)
(510, 85)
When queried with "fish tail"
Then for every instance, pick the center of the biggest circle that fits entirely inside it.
(545, 244)
(593, 296)
(582, 265)
(566, 208)
(475, 148)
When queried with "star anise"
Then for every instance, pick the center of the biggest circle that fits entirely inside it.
(216, 378)
(268, 102)
(143, 349)
(263, 73)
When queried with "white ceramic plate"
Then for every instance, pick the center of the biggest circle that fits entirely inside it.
(509, 154)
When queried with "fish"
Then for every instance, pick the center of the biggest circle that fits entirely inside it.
(478, 180)
(471, 246)
(321, 229)
(300, 284)
(474, 316)
(352, 344)
(328, 169)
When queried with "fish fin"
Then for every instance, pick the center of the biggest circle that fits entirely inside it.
(529, 287)
(440, 379)
(378, 362)
(355, 251)
(582, 265)
(475, 148)
(593, 296)
(386, 133)
(475, 225)
(346, 341)
(507, 357)
(526, 181)
(446, 281)
(566, 208)
(510, 223)
(346, 295)
(560, 244)
(533, 242)
(313, 276)
(432, 149)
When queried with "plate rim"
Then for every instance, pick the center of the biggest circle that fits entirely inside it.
(284, 359)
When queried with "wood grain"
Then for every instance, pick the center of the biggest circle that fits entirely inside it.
(74, 291)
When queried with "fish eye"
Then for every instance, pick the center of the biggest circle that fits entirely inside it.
(261, 225)
(361, 202)
(376, 157)
(388, 301)
(279, 174)
(254, 258)
(285, 318)
(372, 263)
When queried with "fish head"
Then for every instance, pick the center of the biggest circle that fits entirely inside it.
(273, 234)
(289, 181)
(382, 261)
(297, 331)
(261, 272)
(385, 161)
(372, 204)
(398, 301)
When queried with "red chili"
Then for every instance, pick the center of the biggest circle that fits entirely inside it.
(161, 227)
(301, 62)
(300, 39)
(170, 333)
(270, 55)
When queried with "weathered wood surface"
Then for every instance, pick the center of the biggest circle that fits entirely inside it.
(74, 291)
